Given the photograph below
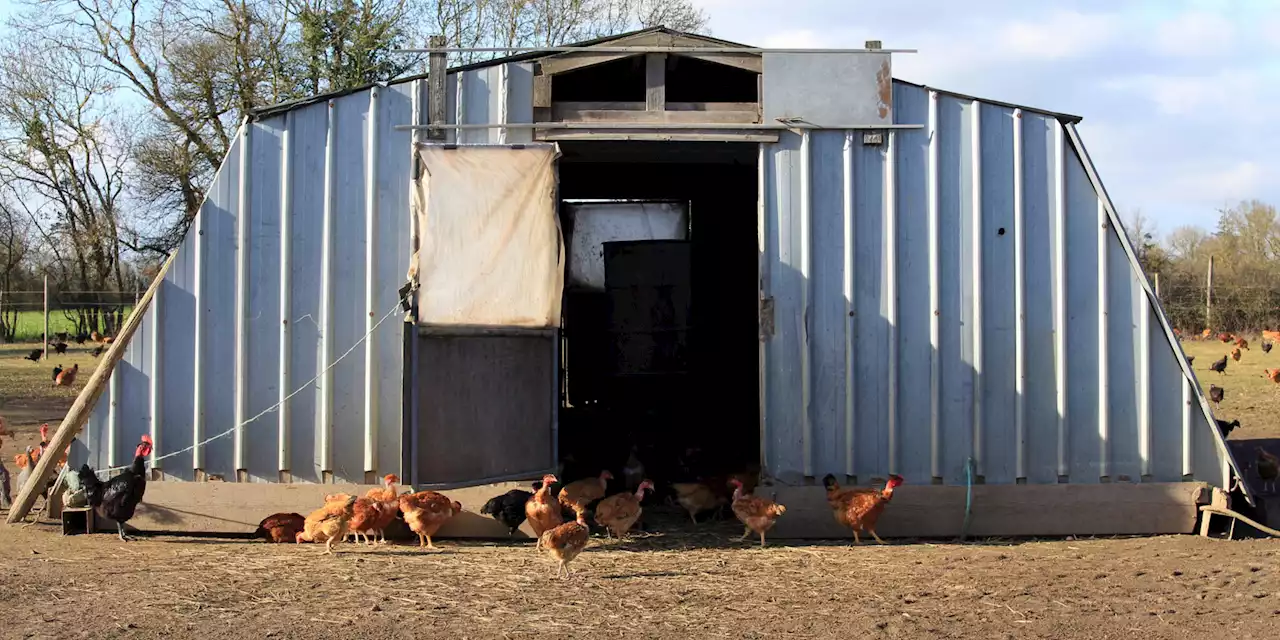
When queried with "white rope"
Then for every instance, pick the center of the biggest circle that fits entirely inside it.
(277, 405)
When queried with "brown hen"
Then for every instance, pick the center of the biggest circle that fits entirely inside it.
(281, 527)
(425, 512)
(580, 493)
(542, 510)
(859, 509)
(619, 512)
(759, 514)
(329, 523)
(566, 541)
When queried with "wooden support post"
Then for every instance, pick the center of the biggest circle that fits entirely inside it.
(1157, 283)
(83, 407)
(1208, 297)
(655, 80)
(45, 347)
(438, 68)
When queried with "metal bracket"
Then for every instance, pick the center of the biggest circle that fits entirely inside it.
(766, 318)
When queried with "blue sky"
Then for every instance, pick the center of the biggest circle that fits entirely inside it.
(1178, 96)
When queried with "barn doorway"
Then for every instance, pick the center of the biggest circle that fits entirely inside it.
(660, 342)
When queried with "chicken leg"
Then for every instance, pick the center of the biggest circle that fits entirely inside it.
(428, 544)
(123, 537)
(873, 534)
(856, 539)
(761, 539)
(328, 546)
(746, 532)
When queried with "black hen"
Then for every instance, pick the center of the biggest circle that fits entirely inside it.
(34, 356)
(56, 371)
(1227, 427)
(508, 508)
(1266, 347)
(118, 497)
(1219, 365)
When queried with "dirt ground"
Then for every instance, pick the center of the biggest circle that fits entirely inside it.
(653, 586)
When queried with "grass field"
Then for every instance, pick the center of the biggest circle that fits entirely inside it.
(1248, 395)
(31, 324)
(26, 397)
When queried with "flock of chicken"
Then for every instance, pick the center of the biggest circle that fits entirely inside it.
(67, 377)
(1267, 464)
(547, 510)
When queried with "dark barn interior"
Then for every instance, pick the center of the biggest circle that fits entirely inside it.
(666, 359)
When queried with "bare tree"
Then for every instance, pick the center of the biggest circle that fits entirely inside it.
(62, 152)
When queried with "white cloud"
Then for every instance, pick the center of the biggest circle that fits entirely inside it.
(1238, 181)
(801, 39)
(1195, 34)
(1230, 89)
(1176, 96)
(1060, 35)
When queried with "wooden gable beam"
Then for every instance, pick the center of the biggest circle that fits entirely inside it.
(566, 62)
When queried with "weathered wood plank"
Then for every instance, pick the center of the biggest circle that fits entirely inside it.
(1005, 510)
(561, 112)
(655, 81)
(643, 134)
(437, 68)
(571, 105)
(573, 61)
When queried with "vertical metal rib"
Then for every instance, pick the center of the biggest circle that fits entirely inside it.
(371, 370)
(850, 319)
(326, 296)
(806, 420)
(1144, 385)
(1104, 382)
(154, 388)
(197, 357)
(762, 271)
(286, 297)
(979, 384)
(891, 292)
(1060, 295)
(243, 247)
(1019, 301)
(935, 297)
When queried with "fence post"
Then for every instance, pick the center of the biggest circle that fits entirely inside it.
(1208, 297)
(45, 347)
(1158, 286)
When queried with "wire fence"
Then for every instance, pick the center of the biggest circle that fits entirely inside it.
(1231, 308)
(73, 315)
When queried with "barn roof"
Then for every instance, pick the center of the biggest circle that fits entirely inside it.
(265, 112)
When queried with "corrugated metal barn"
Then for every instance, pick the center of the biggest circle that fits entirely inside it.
(885, 278)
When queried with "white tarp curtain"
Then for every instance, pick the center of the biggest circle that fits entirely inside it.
(489, 246)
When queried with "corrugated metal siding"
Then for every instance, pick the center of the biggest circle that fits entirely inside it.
(198, 296)
(886, 426)
(855, 199)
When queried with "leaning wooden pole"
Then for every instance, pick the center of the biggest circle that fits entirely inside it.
(79, 413)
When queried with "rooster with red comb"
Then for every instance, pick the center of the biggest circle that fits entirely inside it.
(118, 497)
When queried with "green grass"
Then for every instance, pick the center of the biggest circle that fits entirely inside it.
(31, 324)
(1248, 396)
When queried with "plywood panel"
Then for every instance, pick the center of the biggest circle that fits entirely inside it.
(485, 407)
